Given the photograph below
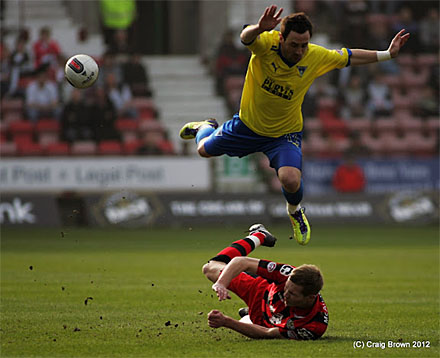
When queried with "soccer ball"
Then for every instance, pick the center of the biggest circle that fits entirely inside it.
(81, 71)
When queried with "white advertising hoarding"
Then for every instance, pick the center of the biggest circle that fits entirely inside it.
(101, 174)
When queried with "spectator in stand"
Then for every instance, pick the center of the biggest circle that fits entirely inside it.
(429, 31)
(75, 122)
(355, 14)
(120, 47)
(42, 97)
(117, 15)
(353, 96)
(378, 38)
(349, 176)
(45, 48)
(379, 102)
(230, 60)
(121, 97)
(136, 76)
(109, 65)
(5, 69)
(427, 104)
(405, 20)
(102, 116)
(20, 67)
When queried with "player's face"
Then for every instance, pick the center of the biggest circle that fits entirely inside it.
(294, 47)
(293, 296)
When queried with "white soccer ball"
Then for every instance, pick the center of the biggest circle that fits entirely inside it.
(81, 71)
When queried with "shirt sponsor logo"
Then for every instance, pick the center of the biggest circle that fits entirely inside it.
(286, 270)
(278, 90)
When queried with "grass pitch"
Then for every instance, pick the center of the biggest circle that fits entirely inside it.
(141, 293)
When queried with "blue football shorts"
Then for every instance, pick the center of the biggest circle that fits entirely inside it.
(234, 139)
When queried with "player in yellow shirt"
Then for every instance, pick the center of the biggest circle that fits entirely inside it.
(282, 67)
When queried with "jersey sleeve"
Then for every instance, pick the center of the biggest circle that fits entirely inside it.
(263, 43)
(274, 271)
(332, 59)
(310, 331)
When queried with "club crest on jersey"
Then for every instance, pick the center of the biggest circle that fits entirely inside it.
(271, 266)
(76, 66)
(301, 70)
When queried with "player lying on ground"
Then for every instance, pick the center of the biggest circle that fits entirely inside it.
(282, 67)
(283, 301)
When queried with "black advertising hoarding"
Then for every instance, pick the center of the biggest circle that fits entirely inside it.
(29, 210)
(130, 209)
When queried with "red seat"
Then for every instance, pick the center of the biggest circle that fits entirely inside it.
(358, 124)
(166, 147)
(131, 147)
(145, 107)
(86, 147)
(48, 130)
(233, 83)
(109, 147)
(427, 60)
(150, 126)
(385, 124)
(12, 105)
(409, 123)
(128, 128)
(57, 149)
(432, 124)
(422, 145)
(29, 149)
(8, 149)
(312, 125)
(21, 131)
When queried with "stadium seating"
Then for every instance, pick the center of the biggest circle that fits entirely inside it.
(109, 147)
(83, 148)
(47, 130)
(21, 131)
(128, 127)
(26, 148)
(57, 149)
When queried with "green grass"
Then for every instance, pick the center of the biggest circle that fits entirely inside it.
(381, 284)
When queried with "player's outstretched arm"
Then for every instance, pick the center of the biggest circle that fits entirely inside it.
(268, 21)
(217, 319)
(236, 266)
(363, 57)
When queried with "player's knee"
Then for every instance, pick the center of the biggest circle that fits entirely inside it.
(211, 271)
(201, 150)
(205, 269)
(290, 183)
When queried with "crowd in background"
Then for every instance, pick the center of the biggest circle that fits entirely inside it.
(346, 109)
(388, 109)
(34, 74)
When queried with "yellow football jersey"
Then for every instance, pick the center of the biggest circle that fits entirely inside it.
(274, 90)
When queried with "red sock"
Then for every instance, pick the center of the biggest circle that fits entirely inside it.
(241, 247)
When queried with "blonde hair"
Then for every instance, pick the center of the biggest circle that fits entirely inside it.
(309, 277)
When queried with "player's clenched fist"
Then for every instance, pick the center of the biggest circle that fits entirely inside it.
(216, 319)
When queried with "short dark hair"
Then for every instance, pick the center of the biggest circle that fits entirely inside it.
(298, 22)
(309, 277)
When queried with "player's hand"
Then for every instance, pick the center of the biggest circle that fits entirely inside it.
(216, 319)
(398, 41)
(222, 291)
(269, 20)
